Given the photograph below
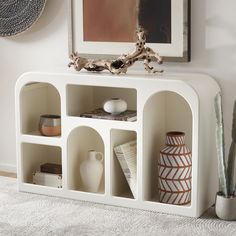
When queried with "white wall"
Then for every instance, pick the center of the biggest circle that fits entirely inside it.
(45, 46)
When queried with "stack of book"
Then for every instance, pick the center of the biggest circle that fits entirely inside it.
(50, 174)
(127, 156)
(51, 168)
(99, 113)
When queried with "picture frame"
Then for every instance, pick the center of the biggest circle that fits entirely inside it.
(177, 49)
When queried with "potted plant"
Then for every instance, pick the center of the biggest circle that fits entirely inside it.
(226, 197)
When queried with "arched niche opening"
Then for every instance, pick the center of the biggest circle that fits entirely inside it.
(163, 112)
(37, 99)
(80, 141)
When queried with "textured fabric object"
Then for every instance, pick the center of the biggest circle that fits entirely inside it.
(16, 16)
(23, 214)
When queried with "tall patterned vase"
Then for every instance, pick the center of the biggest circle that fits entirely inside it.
(175, 170)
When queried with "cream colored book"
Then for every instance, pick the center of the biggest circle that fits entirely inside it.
(127, 156)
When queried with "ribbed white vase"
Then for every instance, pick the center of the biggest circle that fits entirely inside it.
(175, 170)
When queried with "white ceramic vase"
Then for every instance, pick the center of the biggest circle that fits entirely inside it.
(91, 171)
(115, 106)
(225, 207)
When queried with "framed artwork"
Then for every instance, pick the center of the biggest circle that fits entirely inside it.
(107, 28)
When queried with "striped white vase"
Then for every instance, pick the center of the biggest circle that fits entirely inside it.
(175, 170)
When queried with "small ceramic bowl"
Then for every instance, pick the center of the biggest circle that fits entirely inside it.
(115, 106)
(50, 125)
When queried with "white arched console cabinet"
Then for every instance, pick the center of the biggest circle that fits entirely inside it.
(168, 102)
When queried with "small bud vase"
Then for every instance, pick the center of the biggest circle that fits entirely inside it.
(175, 170)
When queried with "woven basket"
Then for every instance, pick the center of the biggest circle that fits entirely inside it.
(16, 16)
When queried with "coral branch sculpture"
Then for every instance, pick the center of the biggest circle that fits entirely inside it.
(123, 62)
(226, 172)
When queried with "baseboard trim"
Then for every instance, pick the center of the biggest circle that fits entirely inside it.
(8, 168)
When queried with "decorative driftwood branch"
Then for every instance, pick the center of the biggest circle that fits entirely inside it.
(122, 63)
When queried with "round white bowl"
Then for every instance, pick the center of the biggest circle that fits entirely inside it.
(115, 106)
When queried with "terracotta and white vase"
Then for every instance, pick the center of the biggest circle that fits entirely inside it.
(225, 207)
(91, 171)
(175, 170)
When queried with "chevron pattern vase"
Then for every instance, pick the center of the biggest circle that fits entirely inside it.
(175, 170)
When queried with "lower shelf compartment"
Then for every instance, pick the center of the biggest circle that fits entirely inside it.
(34, 155)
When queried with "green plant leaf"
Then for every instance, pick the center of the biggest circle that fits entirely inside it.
(234, 124)
(230, 169)
(232, 155)
(220, 146)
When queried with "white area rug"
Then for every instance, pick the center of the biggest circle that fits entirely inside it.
(29, 214)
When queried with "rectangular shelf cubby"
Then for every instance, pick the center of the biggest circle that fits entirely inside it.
(82, 99)
(34, 155)
(171, 102)
(37, 99)
(120, 187)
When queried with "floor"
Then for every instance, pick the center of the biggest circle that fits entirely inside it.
(8, 174)
(21, 214)
(26, 214)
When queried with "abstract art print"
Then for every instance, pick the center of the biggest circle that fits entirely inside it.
(107, 28)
